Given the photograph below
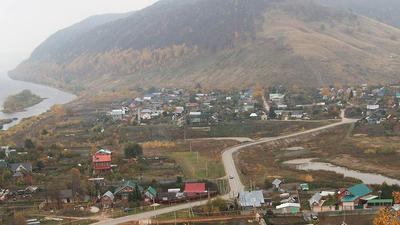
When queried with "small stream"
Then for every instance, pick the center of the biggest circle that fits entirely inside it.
(367, 178)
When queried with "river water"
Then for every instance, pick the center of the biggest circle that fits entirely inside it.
(10, 87)
(367, 178)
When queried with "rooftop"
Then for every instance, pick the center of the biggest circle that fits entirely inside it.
(251, 199)
(195, 187)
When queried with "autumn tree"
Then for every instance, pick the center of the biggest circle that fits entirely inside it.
(396, 197)
(387, 217)
(258, 92)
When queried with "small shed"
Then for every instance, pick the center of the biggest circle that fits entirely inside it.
(304, 187)
(107, 200)
(277, 184)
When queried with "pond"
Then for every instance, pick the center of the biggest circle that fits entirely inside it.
(367, 178)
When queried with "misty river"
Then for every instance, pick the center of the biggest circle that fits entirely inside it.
(10, 87)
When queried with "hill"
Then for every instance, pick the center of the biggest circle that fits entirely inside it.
(386, 11)
(221, 44)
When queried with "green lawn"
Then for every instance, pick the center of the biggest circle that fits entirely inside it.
(197, 166)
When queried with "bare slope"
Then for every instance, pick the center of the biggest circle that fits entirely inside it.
(224, 44)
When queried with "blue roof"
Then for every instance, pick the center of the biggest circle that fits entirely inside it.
(251, 199)
(357, 191)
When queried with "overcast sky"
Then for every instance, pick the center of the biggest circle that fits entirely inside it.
(24, 24)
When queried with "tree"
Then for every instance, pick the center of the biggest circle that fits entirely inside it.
(387, 217)
(40, 165)
(133, 150)
(75, 180)
(272, 114)
(387, 191)
(215, 206)
(396, 196)
(29, 144)
(5, 175)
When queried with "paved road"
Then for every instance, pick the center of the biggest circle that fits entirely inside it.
(238, 139)
(151, 214)
(228, 155)
(235, 183)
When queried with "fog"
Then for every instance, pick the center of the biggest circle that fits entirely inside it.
(25, 24)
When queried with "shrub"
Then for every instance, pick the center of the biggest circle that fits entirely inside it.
(133, 150)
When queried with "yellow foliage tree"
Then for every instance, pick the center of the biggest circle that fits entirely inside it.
(386, 217)
(396, 196)
(308, 178)
(258, 92)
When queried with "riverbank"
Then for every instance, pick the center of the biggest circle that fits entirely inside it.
(6, 121)
(51, 97)
(21, 101)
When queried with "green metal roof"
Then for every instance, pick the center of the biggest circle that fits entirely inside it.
(304, 186)
(359, 190)
(377, 201)
(129, 183)
(152, 191)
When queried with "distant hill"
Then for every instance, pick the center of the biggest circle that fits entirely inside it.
(386, 11)
(219, 44)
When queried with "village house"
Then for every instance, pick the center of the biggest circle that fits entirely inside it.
(195, 117)
(128, 188)
(352, 198)
(101, 161)
(66, 196)
(316, 202)
(251, 199)
(171, 197)
(276, 184)
(117, 114)
(276, 97)
(194, 190)
(107, 200)
(20, 169)
(150, 194)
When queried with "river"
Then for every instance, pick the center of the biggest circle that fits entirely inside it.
(10, 87)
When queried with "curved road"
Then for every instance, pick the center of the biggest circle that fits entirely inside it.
(235, 183)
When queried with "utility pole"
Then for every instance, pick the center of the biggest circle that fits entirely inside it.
(206, 168)
(175, 217)
(138, 113)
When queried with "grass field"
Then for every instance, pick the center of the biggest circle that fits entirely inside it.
(197, 166)
(259, 129)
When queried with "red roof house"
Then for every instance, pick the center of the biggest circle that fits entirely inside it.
(195, 189)
(101, 162)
